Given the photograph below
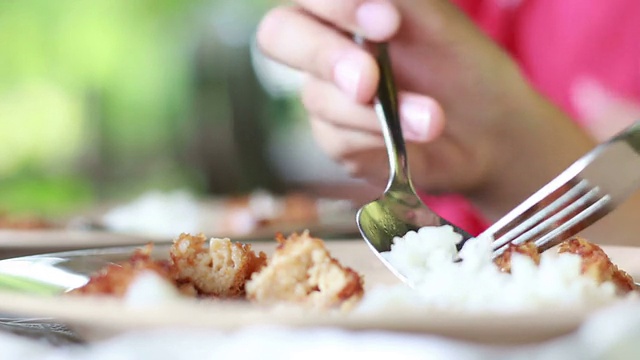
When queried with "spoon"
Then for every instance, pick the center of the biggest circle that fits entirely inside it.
(399, 210)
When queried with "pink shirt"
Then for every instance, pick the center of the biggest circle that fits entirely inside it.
(558, 43)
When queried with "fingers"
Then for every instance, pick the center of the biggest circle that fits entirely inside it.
(340, 142)
(377, 20)
(300, 41)
(362, 154)
(323, 100)
(421, 117)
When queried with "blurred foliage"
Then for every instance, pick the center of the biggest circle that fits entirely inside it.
(50, 195)
(96, 97)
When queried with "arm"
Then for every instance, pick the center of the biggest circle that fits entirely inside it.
(473, 123)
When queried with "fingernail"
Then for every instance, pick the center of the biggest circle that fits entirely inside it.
(347, 73)
(378, 20)
(416, 120)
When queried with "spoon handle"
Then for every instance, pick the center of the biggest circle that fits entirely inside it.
(386, 107)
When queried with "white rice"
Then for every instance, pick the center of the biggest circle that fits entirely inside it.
(476, 284)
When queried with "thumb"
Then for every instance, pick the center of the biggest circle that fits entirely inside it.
(603, 113)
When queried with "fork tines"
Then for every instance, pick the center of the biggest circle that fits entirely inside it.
(560, 214)
(583, 193)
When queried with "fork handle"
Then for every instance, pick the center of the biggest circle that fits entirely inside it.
(631, 135)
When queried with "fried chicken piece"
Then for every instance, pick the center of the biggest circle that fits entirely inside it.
(528, 249)
(260, 209)
(114, 279)
(596, 264)
(220, 270)
(302, 271)
(23, 222)
(299, 208)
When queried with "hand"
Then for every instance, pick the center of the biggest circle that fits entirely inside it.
(500, 141)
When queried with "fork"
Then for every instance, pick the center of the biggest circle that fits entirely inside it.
(582, 194)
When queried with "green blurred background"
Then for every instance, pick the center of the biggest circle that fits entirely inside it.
(102, 99)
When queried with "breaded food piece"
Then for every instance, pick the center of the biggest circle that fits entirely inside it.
(597, 264)
(299, 208)
(528, 249)
(302, 271)
(114, 279)
(260, 210)
(220, 270)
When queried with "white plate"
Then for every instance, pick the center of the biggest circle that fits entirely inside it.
(95, 318)
(28, 242)
(63, 240)
(219, 217)
(256, 215)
